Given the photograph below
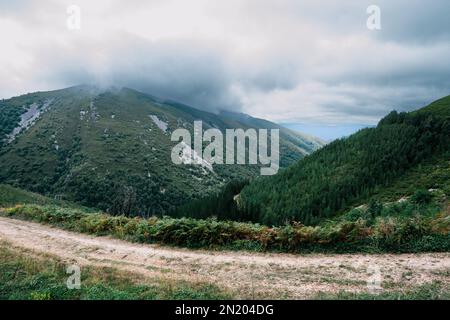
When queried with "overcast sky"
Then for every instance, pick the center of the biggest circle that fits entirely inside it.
(290, 61)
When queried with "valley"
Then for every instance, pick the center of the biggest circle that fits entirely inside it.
(87, 179)
(252, 152)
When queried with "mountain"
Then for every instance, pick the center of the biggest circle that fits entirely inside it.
(293, 142)
(111, 149)
(404, 153)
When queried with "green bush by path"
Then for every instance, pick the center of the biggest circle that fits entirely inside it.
(398, 227)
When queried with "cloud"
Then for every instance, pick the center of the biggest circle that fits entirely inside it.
(285, 60)
(416, 22)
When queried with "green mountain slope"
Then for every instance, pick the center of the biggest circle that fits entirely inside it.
(293, 143)
(405, 152)
(111, 149)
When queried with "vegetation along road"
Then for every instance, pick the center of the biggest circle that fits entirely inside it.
(243, 274)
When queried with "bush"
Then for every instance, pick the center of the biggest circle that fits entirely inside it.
(352, 232)
(375, 208)
(399, 227)
(422, 197)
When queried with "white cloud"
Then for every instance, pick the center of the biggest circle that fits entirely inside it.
(283, 60)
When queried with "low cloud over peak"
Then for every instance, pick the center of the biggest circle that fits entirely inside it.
(286, 61)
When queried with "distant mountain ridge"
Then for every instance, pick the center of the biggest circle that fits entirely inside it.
(111, 148)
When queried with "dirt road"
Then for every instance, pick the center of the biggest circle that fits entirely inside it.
(247, 275)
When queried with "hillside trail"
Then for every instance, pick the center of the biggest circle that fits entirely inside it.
(246, 274)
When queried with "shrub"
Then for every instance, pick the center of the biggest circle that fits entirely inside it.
(354, 231)
(375, 208)
(422, 197)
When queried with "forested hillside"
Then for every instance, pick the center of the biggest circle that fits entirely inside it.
(111, 149)
(403, 147)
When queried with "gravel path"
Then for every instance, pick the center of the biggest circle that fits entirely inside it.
(247, 275)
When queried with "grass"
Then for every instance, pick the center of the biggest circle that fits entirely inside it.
(420, 223)
(430, 291)
(399, 227)
(27, 276)
(10, 196)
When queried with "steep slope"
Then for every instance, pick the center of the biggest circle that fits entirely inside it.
(294, 143)
(111, 149)
(405, 152)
